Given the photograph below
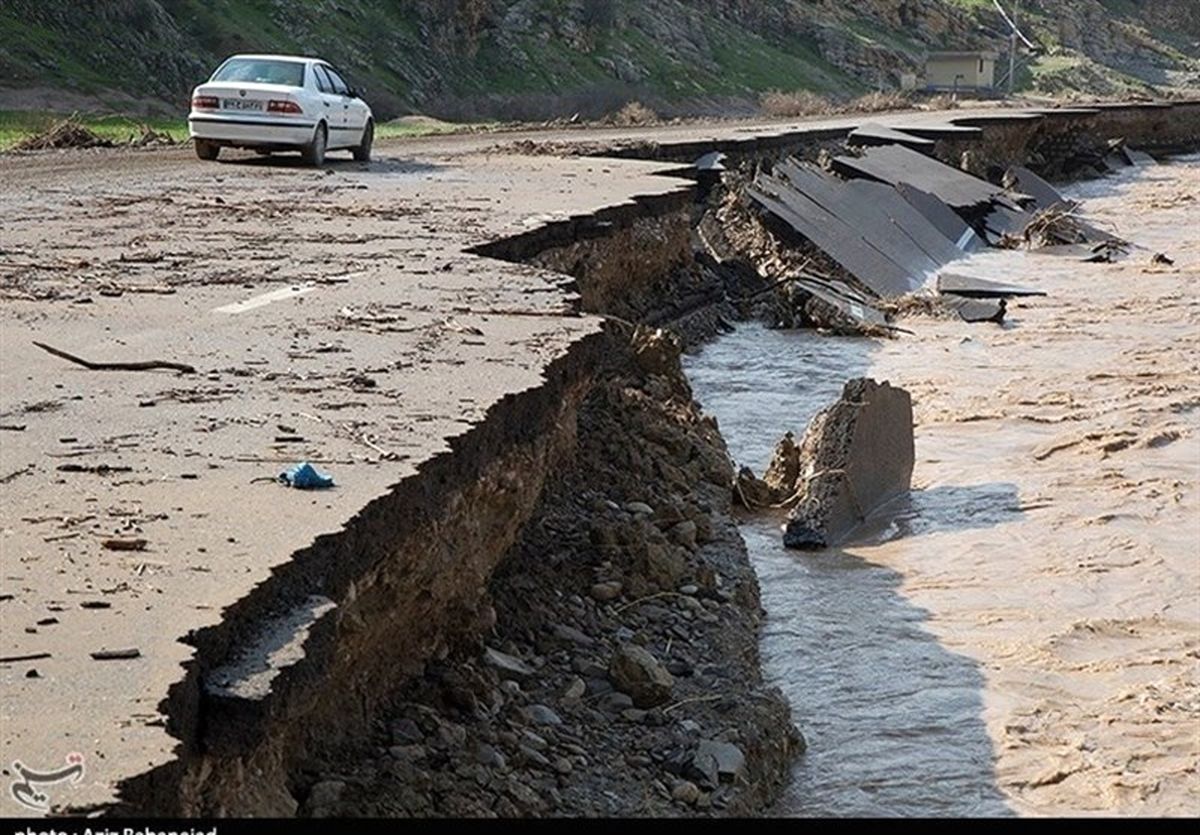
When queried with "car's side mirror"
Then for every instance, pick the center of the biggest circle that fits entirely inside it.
(356, 92)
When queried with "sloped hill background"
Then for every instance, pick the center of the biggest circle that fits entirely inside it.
(543, 58)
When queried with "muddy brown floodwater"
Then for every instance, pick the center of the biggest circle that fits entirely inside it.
(1022, 636)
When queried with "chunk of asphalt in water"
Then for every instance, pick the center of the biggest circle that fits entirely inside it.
(970, 287)
(1045, 196)
(978, 310)
(855, 456)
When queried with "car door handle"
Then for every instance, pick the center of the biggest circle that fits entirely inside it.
(327, 104)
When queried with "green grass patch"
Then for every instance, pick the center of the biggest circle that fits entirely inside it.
(16, 125)
(972, 4)
(1049, 64)
(410, 127)
(872, 32)
(749, 64)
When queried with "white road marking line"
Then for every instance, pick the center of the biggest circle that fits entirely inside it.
(265, 299)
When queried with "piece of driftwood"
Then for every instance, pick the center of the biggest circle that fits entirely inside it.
(125, 544)
(148, 365)
(115, 654)
(33, 656)
(98, 469)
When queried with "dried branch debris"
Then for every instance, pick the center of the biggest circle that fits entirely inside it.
(148, 365)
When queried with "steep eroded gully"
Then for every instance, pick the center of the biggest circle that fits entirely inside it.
(617, 641)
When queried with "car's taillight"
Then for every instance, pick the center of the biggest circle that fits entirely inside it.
(283, 106)
(205, 103)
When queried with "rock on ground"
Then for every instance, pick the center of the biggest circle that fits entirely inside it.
(636, 672)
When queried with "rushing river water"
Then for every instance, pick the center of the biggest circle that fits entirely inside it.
(1021, 635)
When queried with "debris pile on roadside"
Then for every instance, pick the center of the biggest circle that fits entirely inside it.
(150, 136)
(65, 134)
(70, 133)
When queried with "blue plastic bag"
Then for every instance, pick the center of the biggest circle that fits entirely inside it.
(306, 477)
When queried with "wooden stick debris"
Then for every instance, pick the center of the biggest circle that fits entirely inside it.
(125, 544)
(6, 479)
(383, 453)
(98, 469)
(149, 365)
(33, 656)
(115, 654)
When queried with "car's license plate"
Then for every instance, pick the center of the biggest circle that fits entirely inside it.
(241, 104)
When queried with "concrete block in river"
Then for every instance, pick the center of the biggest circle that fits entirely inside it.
(856, 455)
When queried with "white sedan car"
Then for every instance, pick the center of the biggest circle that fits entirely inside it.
(272, 103)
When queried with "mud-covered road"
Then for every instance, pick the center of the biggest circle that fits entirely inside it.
(332, 316)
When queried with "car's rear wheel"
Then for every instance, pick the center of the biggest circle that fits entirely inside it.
(207, 150)
(314, 152)
(362, 152)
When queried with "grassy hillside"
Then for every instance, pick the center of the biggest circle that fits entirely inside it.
(428, 56)
(474, 59)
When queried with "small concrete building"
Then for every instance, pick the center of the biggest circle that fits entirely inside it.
(971, 70)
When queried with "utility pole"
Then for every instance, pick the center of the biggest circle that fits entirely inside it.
(1014, 33)
(1012, 48)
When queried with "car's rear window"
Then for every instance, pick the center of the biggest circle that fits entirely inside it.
(261, 71)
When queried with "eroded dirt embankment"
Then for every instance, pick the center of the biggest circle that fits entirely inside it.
(609, 667)
(614, 665)
(1065, 142)
(403, 582)
(619, 672)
